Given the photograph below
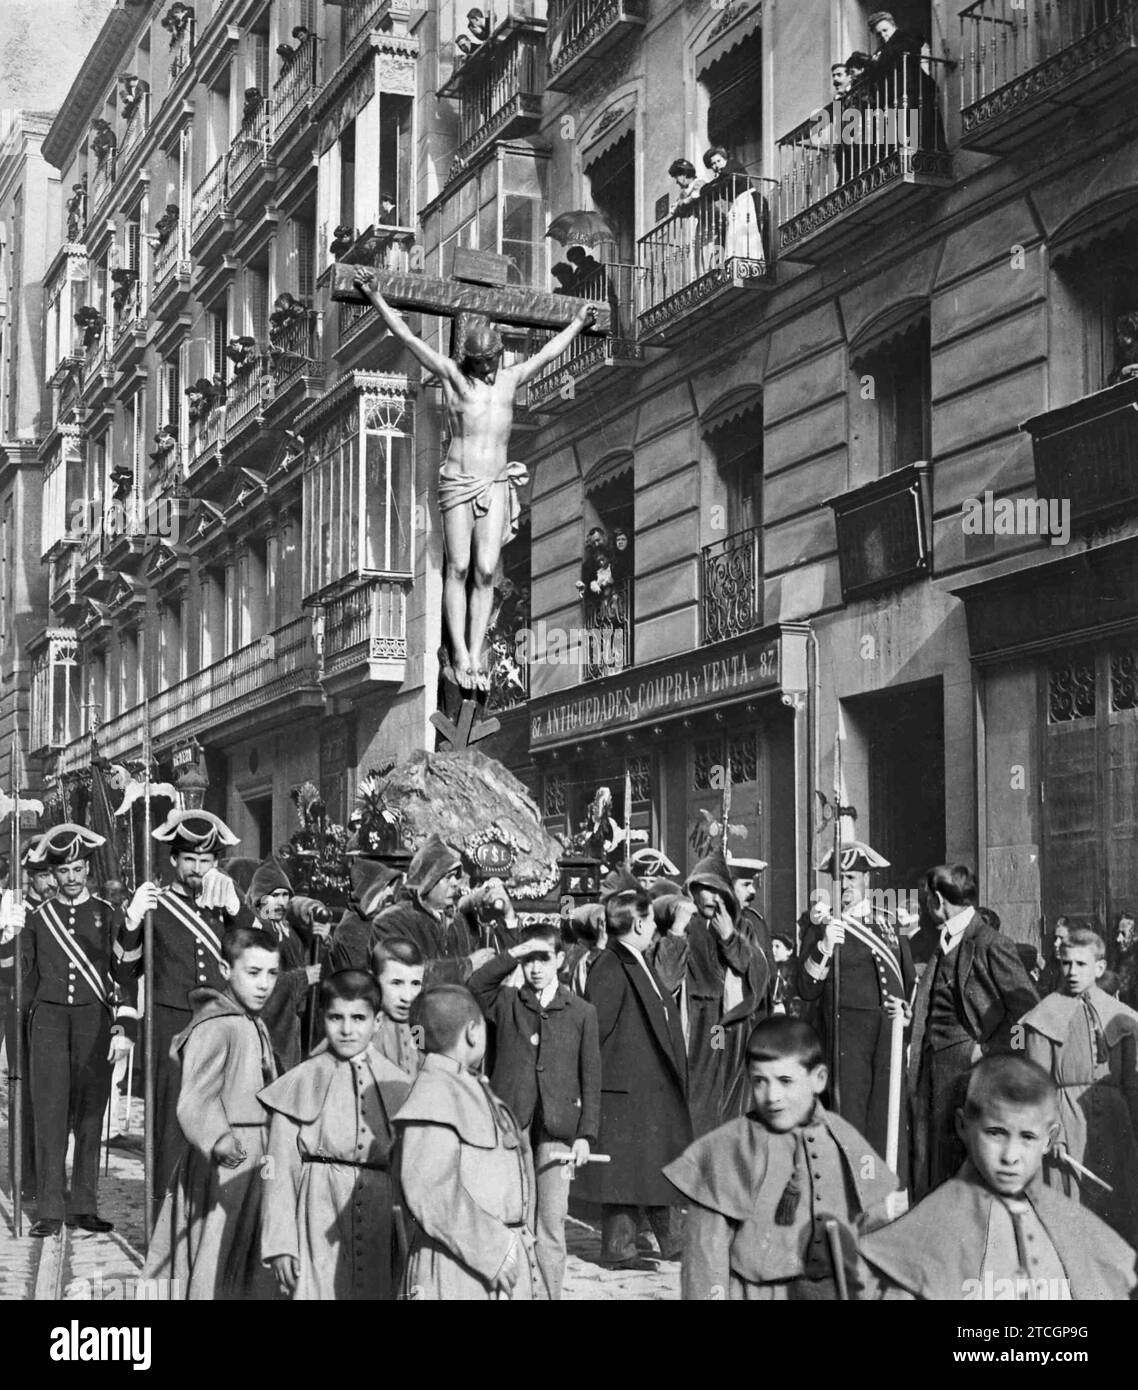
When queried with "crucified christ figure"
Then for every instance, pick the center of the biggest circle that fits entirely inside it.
(477, 484)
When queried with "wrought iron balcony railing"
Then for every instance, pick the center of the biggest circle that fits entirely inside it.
(1024, 61)
(886, 133)
(211, 197)
(366, 623)
(718, 239)
(272, 667)
(130, 313)
(360, 16)
(250, 148)
(582, 31)
(731, 597)
(620, 286)
(181, 50)
(170, 254)
(205, 434)
(297, 82)
(101, 182)
(608, 631)
(502, 93)
(248, 394)
(296, 349)
(135, 126)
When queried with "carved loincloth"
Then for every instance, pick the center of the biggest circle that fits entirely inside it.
(458, 489)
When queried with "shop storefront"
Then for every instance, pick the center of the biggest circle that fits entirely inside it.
(682, 731)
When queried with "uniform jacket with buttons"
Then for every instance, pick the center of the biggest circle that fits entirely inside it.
(185, 957)
(865, 979)
(549, 1054)
(96, 970)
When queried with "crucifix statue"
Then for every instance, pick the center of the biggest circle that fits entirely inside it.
(477, 482)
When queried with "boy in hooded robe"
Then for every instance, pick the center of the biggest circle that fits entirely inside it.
(1088, 1042)
(762, 1188)
(206, 1242)
(465, 1167)
(328, 1225)
(995, 1231)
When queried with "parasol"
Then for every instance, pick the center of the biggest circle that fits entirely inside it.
(581, 228)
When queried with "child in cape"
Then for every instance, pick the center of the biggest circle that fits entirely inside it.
(207, 1238)
(398, 965)
(1088, 1042)
(761, 1189)
(995, 1231)
(327, 1225)
(465, 1166)
(547, 1068)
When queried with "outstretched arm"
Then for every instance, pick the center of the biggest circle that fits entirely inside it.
(585, 318)
(434, 362)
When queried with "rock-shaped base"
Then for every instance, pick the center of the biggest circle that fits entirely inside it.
(460, 794)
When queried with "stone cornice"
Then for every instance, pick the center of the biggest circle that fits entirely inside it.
(100, 68)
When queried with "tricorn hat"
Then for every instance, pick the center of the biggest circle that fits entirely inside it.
(854, 856)
(195, 830)
(64, 844)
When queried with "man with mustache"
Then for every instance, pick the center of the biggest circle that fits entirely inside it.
(192, 913)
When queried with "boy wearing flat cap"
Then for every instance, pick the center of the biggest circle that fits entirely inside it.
(191, 916)
(81, 1017)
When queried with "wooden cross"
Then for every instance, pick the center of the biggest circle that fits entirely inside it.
(464, 734)
(460, 299)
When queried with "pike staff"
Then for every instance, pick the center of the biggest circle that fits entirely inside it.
(16, 1063)
(836, 909)
(149, 1088)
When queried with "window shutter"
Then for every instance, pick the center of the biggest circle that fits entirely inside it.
(261, 64)
(133, 247)
(219, 338)
(305, 281)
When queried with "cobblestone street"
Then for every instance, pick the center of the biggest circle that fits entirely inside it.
(79, 1266)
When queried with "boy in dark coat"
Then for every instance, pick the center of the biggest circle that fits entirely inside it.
(761, 1188)
(547, 1069)
(995, 1231)
(644, 1113)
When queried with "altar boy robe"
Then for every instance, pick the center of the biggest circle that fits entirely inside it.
(1098, 1099)
(207, 1237)
(467, 1177)
(335, 1218)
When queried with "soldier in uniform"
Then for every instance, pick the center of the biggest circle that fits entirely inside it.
(191, 915)
(40, 886)
(876, 981)
(81, 1018)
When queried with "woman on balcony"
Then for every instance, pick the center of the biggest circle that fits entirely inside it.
(730, 218)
